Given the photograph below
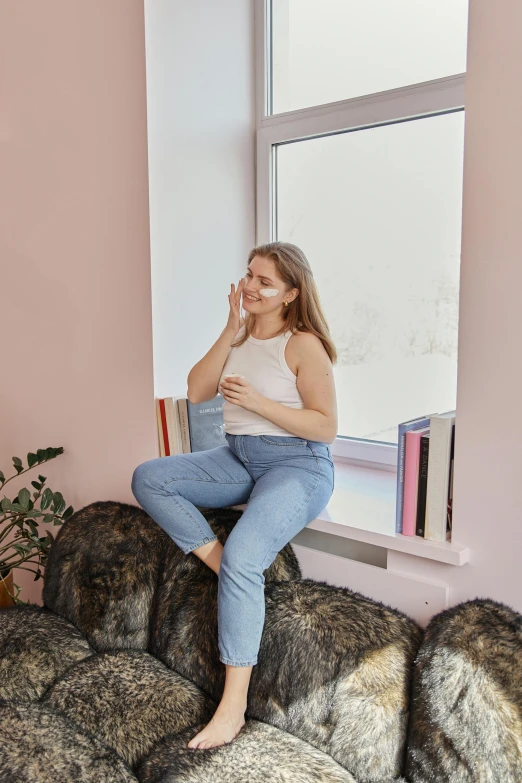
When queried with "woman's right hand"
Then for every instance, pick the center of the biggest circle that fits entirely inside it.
(234, 299)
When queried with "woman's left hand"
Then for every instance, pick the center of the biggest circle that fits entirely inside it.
(239, 391)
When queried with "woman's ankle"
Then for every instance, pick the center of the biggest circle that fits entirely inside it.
(236, 715)
(233, 704)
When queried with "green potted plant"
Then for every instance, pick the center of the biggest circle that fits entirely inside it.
(22, 515)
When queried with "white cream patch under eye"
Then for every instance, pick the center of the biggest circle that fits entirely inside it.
(264, 291)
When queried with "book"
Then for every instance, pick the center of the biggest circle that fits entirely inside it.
(423, 483)
(411, 480)
(160, 419)
(404, 427)
(182, 404)
(169, 429)
(439, 465)
(205, 424)
(185, 427)
(173, 426)
(449, 525)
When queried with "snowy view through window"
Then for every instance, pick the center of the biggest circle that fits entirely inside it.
(377, 211)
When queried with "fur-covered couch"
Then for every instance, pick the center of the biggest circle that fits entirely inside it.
(109, 680)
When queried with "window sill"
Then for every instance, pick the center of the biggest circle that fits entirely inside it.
(362, 508)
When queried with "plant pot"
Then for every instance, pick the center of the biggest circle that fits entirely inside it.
(5, 598)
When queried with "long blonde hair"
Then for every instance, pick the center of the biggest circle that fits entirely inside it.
(304, 313)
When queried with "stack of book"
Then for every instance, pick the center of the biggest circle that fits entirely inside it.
(184, 426)
(426, 448)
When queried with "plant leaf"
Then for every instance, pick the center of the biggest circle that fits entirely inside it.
(59, 502)
(46, 498)
(24, 498)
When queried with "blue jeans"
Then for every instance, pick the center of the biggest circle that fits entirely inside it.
(286, 482)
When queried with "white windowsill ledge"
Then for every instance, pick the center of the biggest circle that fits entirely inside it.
(362, 508)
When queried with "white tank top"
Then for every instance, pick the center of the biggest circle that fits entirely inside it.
(263, 364)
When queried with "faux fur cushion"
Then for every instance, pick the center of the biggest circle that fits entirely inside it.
(129, 700)
(259, 754)
(105, 563)
(333, 669)
(102, 571)
(36, 647)
(41, 746)
(334, 666)
(466, 723)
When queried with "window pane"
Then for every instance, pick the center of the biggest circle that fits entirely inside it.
(377, 212)
(331, 50)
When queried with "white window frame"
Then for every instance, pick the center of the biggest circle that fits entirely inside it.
(425, 99)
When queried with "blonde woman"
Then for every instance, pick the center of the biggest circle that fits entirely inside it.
(274, 371)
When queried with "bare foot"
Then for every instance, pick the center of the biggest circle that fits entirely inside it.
(221, 729)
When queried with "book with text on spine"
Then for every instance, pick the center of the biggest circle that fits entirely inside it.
(449, 525)
(182, 408)
(411, 480)
(423, 483)
(439, 466)
(404, 427)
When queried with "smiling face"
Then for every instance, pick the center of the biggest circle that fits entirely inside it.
(263, 282)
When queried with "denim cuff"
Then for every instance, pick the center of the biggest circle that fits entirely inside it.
(237, 663)
(203, 541)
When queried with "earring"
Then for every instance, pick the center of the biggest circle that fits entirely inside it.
(286, 304)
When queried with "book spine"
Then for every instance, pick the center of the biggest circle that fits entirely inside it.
(164, 430)
(404, 427)
(400, 479)
(438, 479)
(449, 525)
(159, 424)
(423, 483)
(171, 416)
(411, 480)
(184, 425)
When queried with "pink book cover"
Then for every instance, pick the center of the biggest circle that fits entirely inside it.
(411, 480)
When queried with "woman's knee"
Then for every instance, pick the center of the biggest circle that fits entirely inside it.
(237, 558)
(143, 476)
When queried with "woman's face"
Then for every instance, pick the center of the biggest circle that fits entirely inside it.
(263, 282)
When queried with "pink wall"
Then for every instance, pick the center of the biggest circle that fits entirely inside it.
(76, 320)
